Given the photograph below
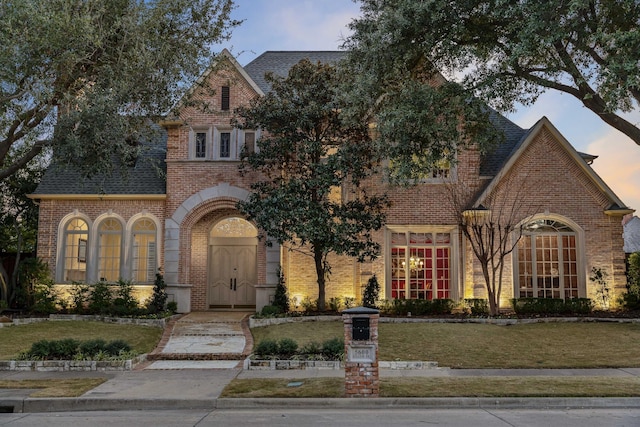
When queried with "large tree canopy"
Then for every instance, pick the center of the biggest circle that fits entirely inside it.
(314, 194)
(509, 51)
(84, 76)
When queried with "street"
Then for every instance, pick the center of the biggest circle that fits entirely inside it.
(328, 417)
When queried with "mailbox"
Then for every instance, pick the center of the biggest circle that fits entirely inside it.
(360, 329)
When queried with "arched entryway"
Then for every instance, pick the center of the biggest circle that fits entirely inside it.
(232, 264)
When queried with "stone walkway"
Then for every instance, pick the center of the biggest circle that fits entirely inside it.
(203, 340)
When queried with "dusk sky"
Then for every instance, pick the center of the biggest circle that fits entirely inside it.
(322, 25)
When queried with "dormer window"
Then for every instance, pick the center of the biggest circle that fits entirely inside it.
(224, 101)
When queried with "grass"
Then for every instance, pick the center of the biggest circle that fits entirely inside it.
(539, 345)
(17, 338)
(444, 387)
(55, 387)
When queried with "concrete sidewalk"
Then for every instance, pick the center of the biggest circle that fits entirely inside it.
(201, 353)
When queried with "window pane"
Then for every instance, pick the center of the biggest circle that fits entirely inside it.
(109, 250)
(144, 258)
(75, 251)
(224, 101)
(249, 142)
(225, 144)
(201, 145)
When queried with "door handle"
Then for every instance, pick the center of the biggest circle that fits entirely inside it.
(231, 284)
(235, 282)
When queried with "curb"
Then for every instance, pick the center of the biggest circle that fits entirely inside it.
(33, 405)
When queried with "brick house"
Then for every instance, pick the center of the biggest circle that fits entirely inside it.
(177, 210)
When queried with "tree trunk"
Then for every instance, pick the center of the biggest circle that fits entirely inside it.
(320, 272)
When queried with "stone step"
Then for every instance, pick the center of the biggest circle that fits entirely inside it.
(195, 356)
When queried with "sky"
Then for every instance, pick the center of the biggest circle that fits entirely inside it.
(322, 25)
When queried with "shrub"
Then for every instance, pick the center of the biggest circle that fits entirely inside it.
(333, 348)
(158, 300)
(117, 347)
(335, 303)
(371, 292)
(287, 347)
(477, 306)
(172, 307)
(45, 298)
(92, 347)
(266, 348)
(551, 306)
(311, 348)
(270, 311)
(349, 302)
(79, 298)
(308, 305)
(419, 307)
(281, 299)
(600, 280)
(100, 299)
(124, 303)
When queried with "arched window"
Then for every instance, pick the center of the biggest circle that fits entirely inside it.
(144, 261)
(109, 250)
(74, 250)
(547, 265)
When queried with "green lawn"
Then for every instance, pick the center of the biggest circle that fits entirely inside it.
(539, 345)
(17, 338)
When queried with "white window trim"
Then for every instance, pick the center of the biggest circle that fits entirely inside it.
(61, 246)
(580, 255)
(128, 244)
(192, 142)
(455, 283)
(95, 248)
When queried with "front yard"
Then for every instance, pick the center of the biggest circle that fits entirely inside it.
(454, 345)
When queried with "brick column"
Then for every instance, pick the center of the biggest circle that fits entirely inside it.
(361, 352)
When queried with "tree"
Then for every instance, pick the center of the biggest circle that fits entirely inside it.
(18, 221)
(314, 192)
(85, 76)
(506, 52)
(494, 228)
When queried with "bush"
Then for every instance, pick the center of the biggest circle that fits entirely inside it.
(333, 349)
(124, 303)
(266, 348)
(418, 307)
(371, 292)
(552, 306)
(287, 347)
(100, 299)
(311, 348)
(477, 306)
(308, 305)
(172, 307)
(335, 303)
(70, 349)
(91, 347)
(45, 298)
(117, 347)
(158, 300)
(270, 311)
(281, 299)
(79, 298)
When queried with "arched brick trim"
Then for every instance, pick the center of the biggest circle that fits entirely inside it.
(221, 198)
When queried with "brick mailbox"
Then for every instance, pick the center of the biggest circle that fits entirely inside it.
(361, 352)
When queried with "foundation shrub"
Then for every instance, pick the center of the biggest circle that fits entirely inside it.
(371, 292)
(477, 306)
(335, 304)
(631, 298)
(101, 298)
(281, 298)
(418, 307)
(552, 306)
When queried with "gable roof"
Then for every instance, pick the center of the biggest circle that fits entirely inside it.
(518, 148)
(280, 62)
(146, 177)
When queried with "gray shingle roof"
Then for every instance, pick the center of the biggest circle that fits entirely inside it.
(146, 177)
(280, 62)
(492, 161)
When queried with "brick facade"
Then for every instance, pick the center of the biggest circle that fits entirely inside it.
(199, 193)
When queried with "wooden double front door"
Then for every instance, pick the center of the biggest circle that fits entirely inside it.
(232, 273)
